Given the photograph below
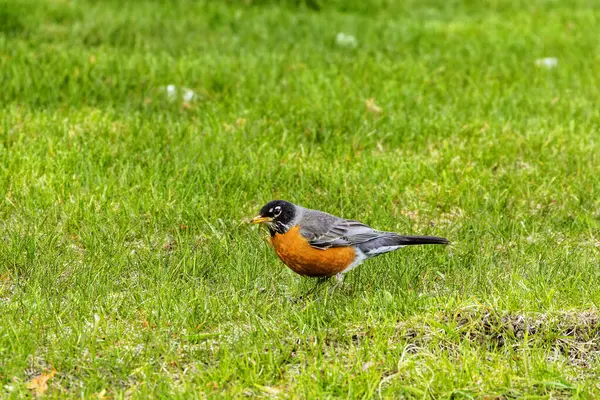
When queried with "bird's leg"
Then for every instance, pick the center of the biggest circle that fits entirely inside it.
(320, 280)
(339, 280)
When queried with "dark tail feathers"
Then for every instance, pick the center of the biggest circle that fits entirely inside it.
(412, 240)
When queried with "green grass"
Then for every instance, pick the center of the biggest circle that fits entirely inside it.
(124, 260)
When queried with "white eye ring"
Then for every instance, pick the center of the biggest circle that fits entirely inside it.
(277, 211)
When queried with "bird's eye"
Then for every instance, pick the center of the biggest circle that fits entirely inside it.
(277, 211)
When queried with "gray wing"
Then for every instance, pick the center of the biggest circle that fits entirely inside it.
(324, 231)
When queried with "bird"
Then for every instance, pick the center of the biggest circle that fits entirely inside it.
(314, 243)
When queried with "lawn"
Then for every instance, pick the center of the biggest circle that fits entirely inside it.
(127, 269)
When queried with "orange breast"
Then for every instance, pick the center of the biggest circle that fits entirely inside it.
(295, 251)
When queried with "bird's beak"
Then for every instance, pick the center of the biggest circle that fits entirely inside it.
(259, 219)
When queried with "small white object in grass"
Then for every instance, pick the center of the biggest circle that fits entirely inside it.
(547, 62)
(345, 40)
(188, 94)
(171, 91)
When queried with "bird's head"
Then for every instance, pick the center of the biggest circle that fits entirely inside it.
(277, 215)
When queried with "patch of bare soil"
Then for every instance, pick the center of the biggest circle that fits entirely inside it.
(575, 334)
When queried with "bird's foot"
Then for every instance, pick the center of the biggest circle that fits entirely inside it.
(339, 281)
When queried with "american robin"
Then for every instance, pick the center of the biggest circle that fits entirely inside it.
(314, 243)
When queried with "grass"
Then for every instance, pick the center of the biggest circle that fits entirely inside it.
(124, 262)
